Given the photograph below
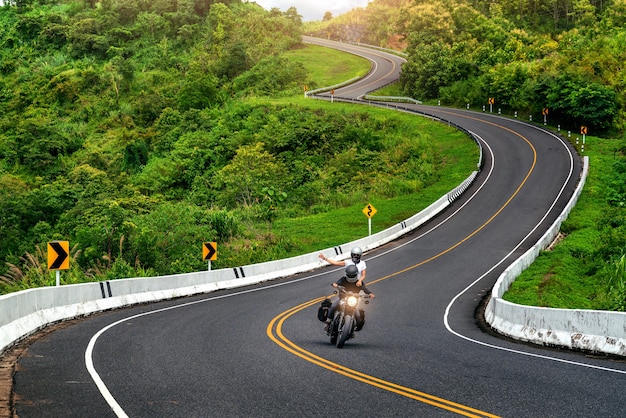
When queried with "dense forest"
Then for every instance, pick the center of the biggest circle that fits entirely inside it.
(136, 129)
(109, 109)
(566, 56)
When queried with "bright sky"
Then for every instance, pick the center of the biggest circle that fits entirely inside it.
(313, 9)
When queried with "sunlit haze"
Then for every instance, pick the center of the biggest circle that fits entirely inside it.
(309, 10)
(313, 10)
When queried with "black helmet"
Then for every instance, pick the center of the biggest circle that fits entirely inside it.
(351, 273)
(356, 254)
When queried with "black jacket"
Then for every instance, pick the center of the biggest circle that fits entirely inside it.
(352, 287)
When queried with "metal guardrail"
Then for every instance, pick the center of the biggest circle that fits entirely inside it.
(329, 88)
(393, 99)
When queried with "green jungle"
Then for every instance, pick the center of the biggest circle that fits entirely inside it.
(136, 130)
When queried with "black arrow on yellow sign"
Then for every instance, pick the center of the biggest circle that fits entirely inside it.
(209, 251)
(58, 255)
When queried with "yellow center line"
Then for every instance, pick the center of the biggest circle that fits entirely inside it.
(274, 328)
(277, 323)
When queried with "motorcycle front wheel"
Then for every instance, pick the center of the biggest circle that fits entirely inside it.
(345, 330)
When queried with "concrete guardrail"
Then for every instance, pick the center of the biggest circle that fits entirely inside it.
(585, 330)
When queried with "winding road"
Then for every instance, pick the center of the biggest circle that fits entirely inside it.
(260, 350)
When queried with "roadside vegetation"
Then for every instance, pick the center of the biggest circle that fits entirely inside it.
(563, 55)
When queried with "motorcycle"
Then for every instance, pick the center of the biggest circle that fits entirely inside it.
(344, 323)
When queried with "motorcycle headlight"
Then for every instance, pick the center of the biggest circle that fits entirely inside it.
(352, 301)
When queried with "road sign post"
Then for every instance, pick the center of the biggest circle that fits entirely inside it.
(58, 258)
(583, 132)
(369, 211)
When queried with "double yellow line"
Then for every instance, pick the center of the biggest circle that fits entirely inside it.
(274, 332)
(274, 328)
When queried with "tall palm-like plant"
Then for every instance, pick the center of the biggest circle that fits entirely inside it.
(617, 284)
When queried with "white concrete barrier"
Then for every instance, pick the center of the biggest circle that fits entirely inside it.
(588, 330)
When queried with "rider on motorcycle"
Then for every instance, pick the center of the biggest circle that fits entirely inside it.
(349, 283)
(355, 258)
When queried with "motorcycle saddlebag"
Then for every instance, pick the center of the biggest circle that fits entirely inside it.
(360, 321)
(322, 312)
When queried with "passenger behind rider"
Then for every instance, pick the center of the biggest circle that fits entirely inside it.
(355, 258)
(349, 282)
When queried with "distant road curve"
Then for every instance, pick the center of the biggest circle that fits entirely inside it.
(385, 68)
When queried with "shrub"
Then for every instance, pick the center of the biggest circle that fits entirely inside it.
(617, 283)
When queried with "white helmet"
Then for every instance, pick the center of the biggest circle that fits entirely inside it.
(356, 254)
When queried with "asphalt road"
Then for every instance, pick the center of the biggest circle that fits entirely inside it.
(260, 351)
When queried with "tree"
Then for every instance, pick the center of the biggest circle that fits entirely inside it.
(152, 26)
(592, 105)
(293, 15)
(12, 193)
(119, 72)
(272, 199)
(235, 61)
(199, 90)
(85, 37)
(271, 75)
(243, 179)
(428, 70)
(221, 20)
(426, 22)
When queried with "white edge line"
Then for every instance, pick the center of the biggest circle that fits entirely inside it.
(104, 391)
(447, 312)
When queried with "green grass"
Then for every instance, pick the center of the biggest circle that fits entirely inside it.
(573, 274)
(348, 224)
(393, 89)
(327, 67)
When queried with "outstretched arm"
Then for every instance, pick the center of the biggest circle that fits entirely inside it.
(331, 261)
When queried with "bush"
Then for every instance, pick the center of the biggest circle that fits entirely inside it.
(617, 283)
